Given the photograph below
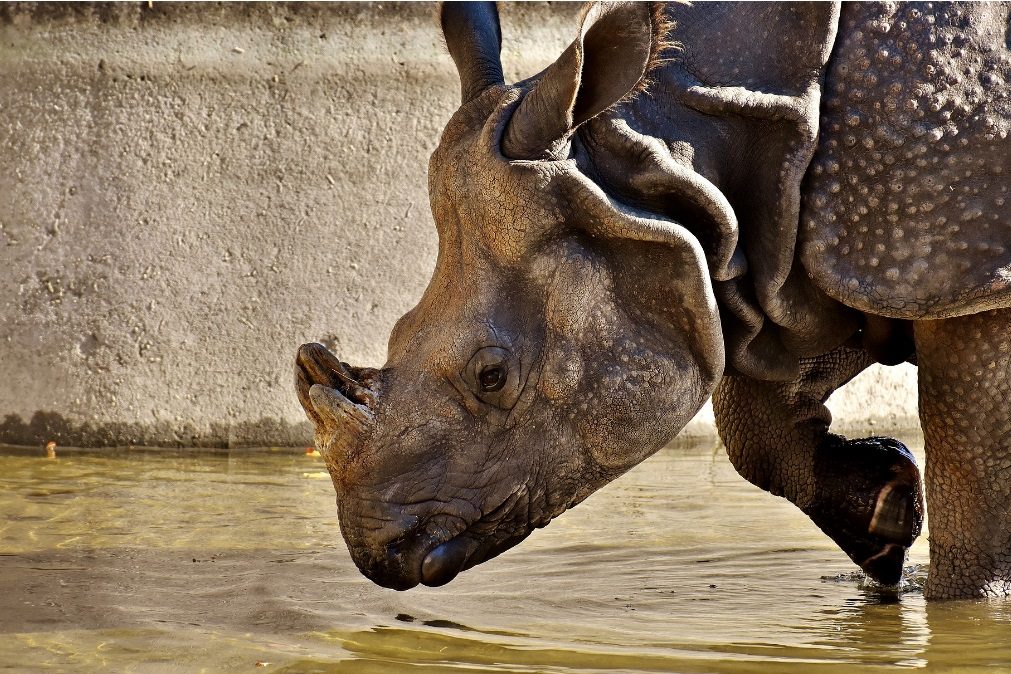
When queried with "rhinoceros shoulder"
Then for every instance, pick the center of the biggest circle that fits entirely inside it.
(906, 210)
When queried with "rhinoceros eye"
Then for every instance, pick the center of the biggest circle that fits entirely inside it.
(493, 377)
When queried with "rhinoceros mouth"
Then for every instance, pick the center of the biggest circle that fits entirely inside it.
(447, 560)
(480, 541)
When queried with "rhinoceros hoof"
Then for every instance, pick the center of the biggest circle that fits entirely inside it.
(869, 501)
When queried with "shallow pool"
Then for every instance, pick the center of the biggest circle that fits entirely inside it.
(149, 561)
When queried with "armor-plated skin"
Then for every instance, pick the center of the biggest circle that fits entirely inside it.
(913, 162)
(608, 259)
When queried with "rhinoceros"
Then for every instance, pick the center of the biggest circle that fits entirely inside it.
(753, 202)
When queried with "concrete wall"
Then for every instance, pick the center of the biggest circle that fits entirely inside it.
(191, 191)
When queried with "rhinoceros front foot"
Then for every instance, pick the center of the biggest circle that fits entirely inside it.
(869, 502)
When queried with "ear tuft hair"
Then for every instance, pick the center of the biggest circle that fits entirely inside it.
(663, 46)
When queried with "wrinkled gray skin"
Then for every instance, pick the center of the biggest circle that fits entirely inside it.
(798, 194)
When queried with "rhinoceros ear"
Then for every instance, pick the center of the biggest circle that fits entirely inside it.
(474, 39)
(615, 48)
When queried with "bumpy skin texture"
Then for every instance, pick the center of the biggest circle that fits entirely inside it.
(604, 258)
(909, 188)
(965, 386)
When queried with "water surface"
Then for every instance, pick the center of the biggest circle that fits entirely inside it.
(143, 561)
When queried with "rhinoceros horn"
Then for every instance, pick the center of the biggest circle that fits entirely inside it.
(343, 405)
(617, 45)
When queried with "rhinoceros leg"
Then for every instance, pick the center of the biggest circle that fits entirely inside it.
(865, 494)
(965, 410)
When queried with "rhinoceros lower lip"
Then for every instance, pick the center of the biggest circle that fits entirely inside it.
(476, 544)
(446, 560)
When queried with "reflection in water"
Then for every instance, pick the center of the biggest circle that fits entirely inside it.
(218, 561)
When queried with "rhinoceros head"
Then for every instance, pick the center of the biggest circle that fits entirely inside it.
(563, 338)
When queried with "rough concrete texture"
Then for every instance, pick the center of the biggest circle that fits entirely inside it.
(190, 192)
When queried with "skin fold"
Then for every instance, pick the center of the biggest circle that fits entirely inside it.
(678, 209)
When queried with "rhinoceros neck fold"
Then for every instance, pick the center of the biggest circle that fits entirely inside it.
(721, 143)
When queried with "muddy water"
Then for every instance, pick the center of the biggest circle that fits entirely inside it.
(153, 562)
